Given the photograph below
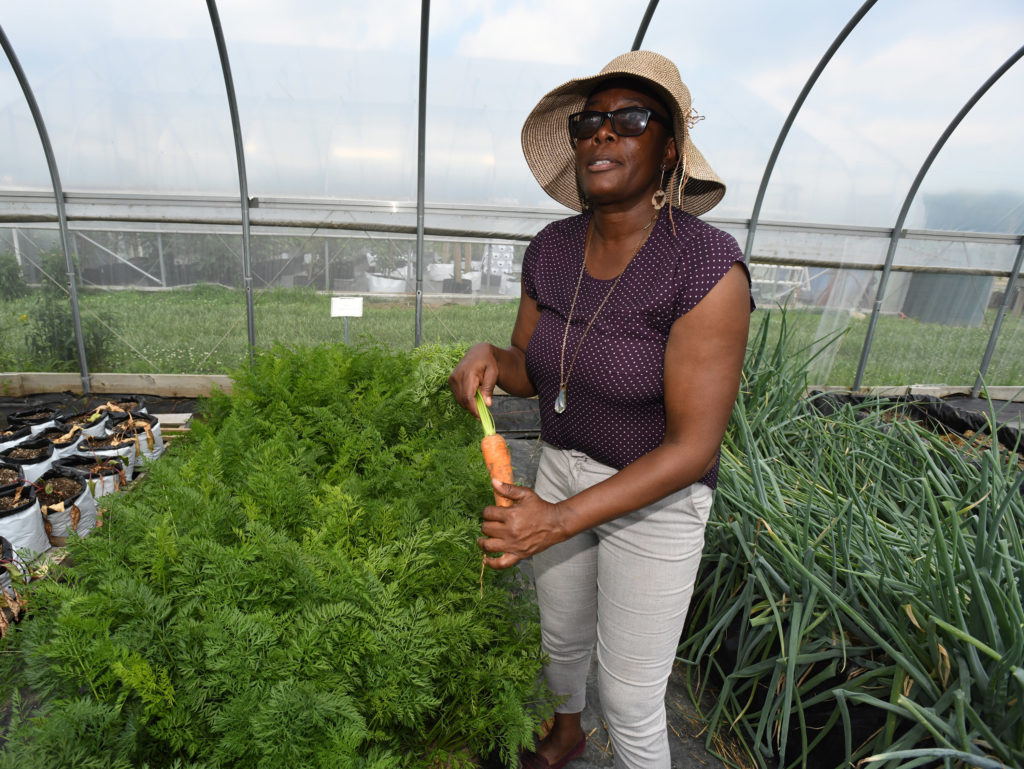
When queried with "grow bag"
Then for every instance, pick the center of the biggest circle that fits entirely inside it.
(64, 439)
(21, 521)
(111, 446)
(144, 429)
(11, 476)
(12, 436)
(34, 456)
(102, 476)
(12, 573)
(36, 418)
(94, 423)
(119, 410)
(67, 506)
(9, 562)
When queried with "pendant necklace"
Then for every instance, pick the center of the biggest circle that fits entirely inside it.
(561, 402)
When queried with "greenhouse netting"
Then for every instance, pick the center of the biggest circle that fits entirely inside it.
(870, 153)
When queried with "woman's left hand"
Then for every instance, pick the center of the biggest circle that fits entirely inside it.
(517, 532)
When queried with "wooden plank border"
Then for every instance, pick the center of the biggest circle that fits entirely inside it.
(21, 384)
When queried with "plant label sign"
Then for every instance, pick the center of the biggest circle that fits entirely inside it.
(346, 306)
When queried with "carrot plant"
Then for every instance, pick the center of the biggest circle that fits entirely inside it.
(293, 584)
(860, 596)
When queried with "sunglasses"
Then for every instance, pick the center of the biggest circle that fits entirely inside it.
(628, 121)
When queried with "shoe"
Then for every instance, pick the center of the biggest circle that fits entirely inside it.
(531, 760)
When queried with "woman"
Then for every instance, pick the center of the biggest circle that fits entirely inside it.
(631, 331)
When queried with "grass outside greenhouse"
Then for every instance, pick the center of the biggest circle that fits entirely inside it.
(202, 330)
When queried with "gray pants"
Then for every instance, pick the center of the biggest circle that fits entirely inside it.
(625, 586)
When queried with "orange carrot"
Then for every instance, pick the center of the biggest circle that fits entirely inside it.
(498, 461)
(495, 451)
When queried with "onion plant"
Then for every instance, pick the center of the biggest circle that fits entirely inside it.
(861, 593)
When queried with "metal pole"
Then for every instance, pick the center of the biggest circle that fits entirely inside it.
(897, 229)
(327, 265)
(17, 245)
(1003, 306)
(840, 39)
(421, 156)
(644, 23)
(243, 186)
(160, 254)
(62, 217)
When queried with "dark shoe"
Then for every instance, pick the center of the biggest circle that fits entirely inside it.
(531, 760)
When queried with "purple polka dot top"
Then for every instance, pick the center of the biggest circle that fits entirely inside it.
(616, 393)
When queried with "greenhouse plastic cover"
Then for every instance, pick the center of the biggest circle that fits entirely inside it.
(134, 102)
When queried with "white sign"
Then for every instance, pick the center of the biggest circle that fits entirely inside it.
(346, 306)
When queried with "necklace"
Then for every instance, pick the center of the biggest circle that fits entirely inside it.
(561, 402)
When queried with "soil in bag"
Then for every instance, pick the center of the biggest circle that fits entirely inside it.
(62, 437)
(13, 435)
(34, 457)
(54, 489)
(103, 474)
(10, 476)
(30, 452)
(36, 415)
(86, 420)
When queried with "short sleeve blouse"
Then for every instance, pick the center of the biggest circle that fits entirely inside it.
(615, 390)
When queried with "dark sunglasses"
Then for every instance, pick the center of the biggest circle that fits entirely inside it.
(628, 121)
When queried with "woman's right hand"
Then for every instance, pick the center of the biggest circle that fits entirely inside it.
(477, 369)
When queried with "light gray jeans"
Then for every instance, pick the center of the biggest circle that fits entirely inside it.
(624, 586)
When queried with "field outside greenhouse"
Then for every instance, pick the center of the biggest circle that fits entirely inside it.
(202, 331)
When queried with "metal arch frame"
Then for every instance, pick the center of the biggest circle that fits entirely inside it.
(897, 229)
(644, 23)
(58, 196)
(755, 215)
(243, 184)
(421, 165)
(993, 336)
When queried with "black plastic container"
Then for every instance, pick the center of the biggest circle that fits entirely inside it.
(35, 417)
(14, 435)
(8, 484)
(53, 434)
(103, 475)
(33, 466)
(92, 422)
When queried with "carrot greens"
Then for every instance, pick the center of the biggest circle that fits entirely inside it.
(292, 584)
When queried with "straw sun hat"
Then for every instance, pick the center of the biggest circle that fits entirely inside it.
(551, 156)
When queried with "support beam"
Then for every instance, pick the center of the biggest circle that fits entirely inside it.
(800, 99)
(421, 164)
(243, 184)
(998, 324)
(58, 196)
(897, 229)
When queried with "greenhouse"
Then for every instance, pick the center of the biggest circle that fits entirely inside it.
(252, 241)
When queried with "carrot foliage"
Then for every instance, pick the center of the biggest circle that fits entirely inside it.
(294, 584)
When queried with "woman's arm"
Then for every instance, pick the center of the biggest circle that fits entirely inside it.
(485, 365)
(703, 364)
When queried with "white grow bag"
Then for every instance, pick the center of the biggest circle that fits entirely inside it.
(125, 451)
(75, 515)
(23, 524)
(31, 468)
(106, 480)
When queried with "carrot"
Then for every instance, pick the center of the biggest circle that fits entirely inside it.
(495, 451)
(498, 461)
